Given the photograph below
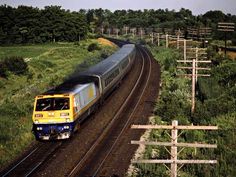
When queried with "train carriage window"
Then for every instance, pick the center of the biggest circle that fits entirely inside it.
(52, 104)
(125, 64)
(111, 77)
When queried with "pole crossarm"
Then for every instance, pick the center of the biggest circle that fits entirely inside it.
(185, 67)
(195, 145)
(202, 57)
(179, 127)
(190, 61)
(190, 75)
(174, 144)
(226, 27)
(226, 30)
(225, 23)
(176, 161)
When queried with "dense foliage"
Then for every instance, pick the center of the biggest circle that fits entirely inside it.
(16, 65)
(32, 25)
(93, 47)
(216, 100)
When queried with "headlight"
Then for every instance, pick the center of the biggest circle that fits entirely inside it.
(38, 115)
(36, 121)
(64, 114)
(39, 128)
(66, 127)
(67, 120)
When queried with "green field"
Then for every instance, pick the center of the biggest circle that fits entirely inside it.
(48, 66)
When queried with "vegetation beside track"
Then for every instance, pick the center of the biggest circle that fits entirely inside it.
(48, 65)
(216, 100)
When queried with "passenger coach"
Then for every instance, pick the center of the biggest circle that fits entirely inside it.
(59, 112)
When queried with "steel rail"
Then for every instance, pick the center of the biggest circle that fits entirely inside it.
(33, 154)
(80, 163)
(11, 169)
(128, 120)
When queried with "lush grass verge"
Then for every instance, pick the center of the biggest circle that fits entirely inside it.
(48, 66)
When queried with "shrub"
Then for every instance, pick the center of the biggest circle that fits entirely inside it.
(93, 46)
(14, 64)
(3, 70)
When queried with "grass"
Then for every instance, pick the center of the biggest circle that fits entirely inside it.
(48, 65)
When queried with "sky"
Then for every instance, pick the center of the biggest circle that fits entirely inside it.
(196, 6)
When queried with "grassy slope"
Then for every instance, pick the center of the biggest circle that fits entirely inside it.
(48, 65)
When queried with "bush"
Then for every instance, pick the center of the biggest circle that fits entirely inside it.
(3, 70)
(14, 64)
(93, 46)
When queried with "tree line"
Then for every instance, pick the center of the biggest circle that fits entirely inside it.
(32, 25)
(26, 24)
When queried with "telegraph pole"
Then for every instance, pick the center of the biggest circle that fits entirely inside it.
(174, 144)
(174, 151)
(185, 46)
(195, 60)
(167, 41)
(152, 37)
(117, 32)
(158, 39)
(126, 30)
(226, 27)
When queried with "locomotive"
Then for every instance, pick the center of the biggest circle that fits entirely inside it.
(59, 112)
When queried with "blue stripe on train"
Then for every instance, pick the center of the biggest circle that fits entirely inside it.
(52, 129)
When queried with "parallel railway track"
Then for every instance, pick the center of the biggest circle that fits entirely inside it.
(94, 165)
(89, 155)
(32, 161)
(35, 163)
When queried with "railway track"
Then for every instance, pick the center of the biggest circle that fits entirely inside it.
(99, 144)
(96, 161)
(32, 161)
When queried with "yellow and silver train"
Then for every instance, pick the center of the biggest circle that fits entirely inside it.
(59, 112)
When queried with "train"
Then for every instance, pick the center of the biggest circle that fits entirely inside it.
(59, 112)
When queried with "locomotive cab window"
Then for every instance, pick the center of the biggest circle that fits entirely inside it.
(52, 104)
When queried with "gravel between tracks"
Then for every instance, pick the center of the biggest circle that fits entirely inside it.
(118, 161)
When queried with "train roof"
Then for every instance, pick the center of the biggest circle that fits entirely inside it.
(110, 62)
(89, 75)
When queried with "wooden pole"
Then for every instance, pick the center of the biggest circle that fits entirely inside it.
(196, 63)
(167, 44)
(152, 37)
(117, 31)
(193, 85)
(177, 41)
(174, 152)
(133, 32)
(174, 144)
(185, 49)
(109, 32)
(158, 39)
(225, 44)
